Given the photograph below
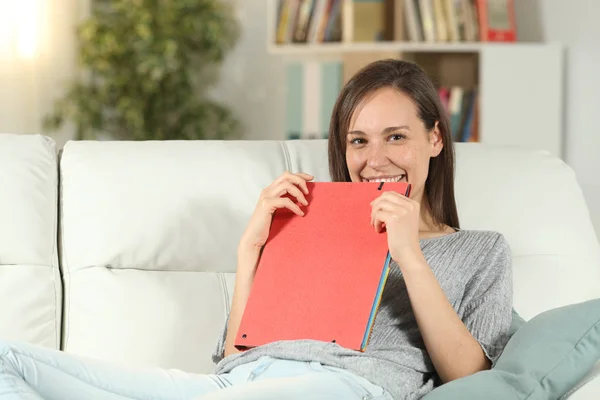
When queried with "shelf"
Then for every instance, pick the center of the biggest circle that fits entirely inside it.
(338, 48)
(517, 83)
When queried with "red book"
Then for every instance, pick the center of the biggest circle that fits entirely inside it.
(497, 21)
(321, 276)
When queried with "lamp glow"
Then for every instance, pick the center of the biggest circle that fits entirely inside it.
(20, 28)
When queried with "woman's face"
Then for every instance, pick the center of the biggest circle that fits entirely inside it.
(386, 141)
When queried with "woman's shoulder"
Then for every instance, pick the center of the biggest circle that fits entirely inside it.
(485, 237)
(471, 237)
(488, 250)
(472, 246)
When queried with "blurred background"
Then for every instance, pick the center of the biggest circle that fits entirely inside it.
(510, 72)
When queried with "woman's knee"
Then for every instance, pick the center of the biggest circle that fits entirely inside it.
(8, 360)
(5, 348)
(10, 351)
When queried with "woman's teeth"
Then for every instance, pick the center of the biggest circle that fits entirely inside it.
(395, 179)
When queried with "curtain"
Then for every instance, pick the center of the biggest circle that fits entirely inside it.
(37, 61)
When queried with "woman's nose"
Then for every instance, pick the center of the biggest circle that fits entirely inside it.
(376, 156)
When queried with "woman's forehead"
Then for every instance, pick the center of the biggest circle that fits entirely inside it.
(383, 109)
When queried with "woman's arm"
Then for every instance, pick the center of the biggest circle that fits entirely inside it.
(454, 352)
(247, 260)
(452, 347)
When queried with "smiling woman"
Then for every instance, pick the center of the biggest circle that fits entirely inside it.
(389, 123)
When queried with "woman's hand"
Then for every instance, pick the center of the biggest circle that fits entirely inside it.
(257, 231)
(399, 216)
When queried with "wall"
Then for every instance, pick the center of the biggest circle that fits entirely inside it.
(252, 81)
(575, 24)
(31, 80)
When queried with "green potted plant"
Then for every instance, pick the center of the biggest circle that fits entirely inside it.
(148, 65)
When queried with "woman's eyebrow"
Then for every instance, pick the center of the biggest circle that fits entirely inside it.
(386, 130)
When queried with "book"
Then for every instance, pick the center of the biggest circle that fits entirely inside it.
(320, 276)
(312, 87)
(497, 21)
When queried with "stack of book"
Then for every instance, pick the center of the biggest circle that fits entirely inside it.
(322, 21)
(312, 88)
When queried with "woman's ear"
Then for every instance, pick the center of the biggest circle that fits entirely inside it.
(435, 138)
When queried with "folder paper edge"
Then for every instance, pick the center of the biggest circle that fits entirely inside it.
(376, 302)
(379, 293)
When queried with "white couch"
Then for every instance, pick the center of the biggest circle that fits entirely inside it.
(125, 251)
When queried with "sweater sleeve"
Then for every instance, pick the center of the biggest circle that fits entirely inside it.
(487, 302)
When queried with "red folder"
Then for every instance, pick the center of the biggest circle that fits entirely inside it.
(320, 276)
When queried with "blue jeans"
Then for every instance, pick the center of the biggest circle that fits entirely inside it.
(29, 372)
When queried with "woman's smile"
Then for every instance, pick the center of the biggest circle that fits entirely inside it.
(385, 178)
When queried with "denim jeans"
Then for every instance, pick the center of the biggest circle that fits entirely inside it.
(29, 372)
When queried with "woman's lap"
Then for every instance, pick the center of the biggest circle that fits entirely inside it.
(56, 375)
(269, 378)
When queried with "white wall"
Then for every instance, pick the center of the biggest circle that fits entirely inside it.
(253, 81)
(30, 81)
(575, 24)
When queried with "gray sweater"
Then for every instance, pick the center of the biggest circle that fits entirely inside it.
(474, 270)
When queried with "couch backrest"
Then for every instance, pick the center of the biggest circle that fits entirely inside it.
(149, 239)
(30, 284)
(534, 199)
(150, 231)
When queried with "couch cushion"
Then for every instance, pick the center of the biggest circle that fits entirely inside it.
(544, 359)
(30, 286)
(149, 238)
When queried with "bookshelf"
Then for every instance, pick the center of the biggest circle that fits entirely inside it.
(299, 49)
(512, 91)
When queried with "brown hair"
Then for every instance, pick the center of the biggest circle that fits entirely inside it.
(411, 80)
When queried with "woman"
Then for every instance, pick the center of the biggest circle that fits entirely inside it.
(446, 307)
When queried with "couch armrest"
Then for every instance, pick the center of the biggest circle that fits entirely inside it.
(588, 388)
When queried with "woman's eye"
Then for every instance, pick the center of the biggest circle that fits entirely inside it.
(397, 136)
(357, 141)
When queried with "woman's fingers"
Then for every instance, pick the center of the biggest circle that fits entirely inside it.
(307, 177)
(389, 207)
(382, 205)
(290, 183)
(379, 219)
(299, 179)
(285, 202)
(287, 187)
(393, 197)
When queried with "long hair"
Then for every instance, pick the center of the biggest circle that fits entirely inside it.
(410, 79)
